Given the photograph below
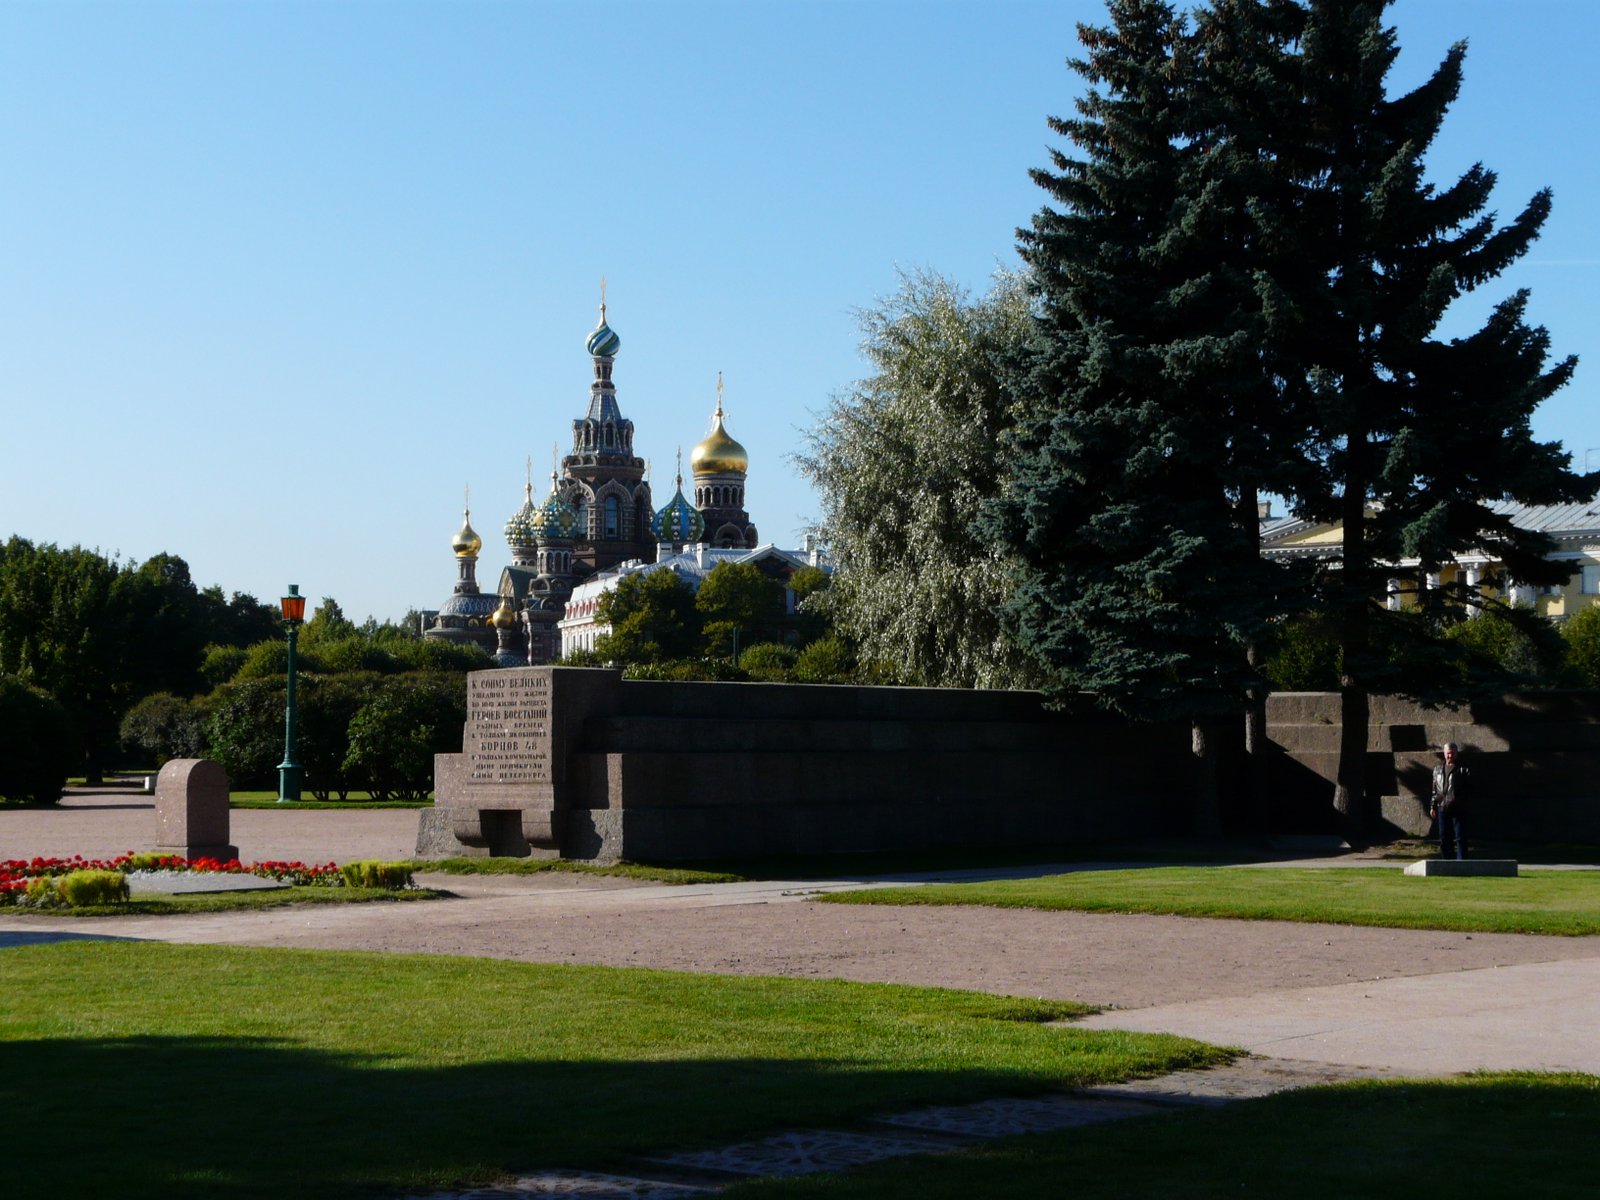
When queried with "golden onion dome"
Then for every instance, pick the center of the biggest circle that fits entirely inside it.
(466, 542)
(719, 454)
(503, 617)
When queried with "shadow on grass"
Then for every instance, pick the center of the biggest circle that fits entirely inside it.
(1494, 1135)
(240, 1117)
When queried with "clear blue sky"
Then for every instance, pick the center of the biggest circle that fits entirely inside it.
(282, 278)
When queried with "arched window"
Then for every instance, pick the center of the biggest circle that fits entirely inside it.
(581, 503)
(613, 517)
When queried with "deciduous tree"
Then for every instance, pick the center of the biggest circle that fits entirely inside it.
(902, 462)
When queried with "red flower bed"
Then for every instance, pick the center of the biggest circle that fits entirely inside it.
(15, 872)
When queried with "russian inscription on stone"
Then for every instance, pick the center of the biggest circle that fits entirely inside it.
(508, 729)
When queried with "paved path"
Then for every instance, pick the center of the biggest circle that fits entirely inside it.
(1389, 999)
(1314, 1003)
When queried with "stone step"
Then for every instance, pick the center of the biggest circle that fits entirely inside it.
(1496, 867)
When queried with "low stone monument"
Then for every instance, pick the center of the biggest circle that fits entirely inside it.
(1495, 867)
(192, 810)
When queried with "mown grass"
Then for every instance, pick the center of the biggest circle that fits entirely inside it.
(538, 866)
(1548, 902)
(210, 902)
(1483, 1135)
(178, 1071)
(357, 800)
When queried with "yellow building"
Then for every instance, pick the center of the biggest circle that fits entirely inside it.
(1575, 529)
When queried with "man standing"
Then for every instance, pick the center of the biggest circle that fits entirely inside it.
(1449, 789)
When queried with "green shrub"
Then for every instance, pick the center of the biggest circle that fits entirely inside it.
(42, 745)
(221, 664)
(768, 662)
(163, 727)
(398, 730)
(827, 660)
(80, 888)
(1582, 635)
(42, 892)
(701, 670)
(370, 873)
(1304, 656)
(431, 654)
(270, 660)
(1516, 643)
(356, 653)
(245, 731)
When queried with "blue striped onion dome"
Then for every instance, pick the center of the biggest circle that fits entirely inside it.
(678, 521)
(521, 529)
(555, 519)
(604, 342)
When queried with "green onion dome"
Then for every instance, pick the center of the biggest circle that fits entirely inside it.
(678, 520)
(521, 529)
(555, 519)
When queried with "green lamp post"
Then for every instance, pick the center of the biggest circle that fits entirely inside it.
(294, 615)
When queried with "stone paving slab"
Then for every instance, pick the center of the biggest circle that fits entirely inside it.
(938, 1129)
(804, 1152)
(196, 883)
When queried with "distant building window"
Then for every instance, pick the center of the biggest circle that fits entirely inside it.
(1591, 579)
(613, 517)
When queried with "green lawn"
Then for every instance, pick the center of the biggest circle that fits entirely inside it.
(204, 902)
(1554, 902)
(175, 1071)
(1489, 1135)
(269, 799)
(536, 866)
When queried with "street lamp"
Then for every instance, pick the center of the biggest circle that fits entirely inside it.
(294, 615)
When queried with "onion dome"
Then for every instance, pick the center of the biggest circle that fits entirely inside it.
(503, 617)
(603, 342)
(522, 528)
(678, 520)
(466, 542)
(555, 519)
(719, 454)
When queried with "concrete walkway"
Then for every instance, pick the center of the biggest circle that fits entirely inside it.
(1391, 1000)
(1313, 1003)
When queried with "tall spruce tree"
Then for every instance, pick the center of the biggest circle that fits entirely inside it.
(1415, 435)
(1143, 411)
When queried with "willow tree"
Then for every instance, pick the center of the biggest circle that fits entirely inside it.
(903, 461)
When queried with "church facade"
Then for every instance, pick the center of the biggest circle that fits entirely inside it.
(598, 515)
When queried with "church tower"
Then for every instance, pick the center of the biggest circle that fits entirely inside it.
(545, 602)
(464, 617)
(720, 466)
(602, 479)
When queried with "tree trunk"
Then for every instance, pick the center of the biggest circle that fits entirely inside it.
(1207, 822)
(1257, 758)
(1256, 780)
(1349, 793)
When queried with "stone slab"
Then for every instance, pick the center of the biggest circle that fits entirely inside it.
(1497, 867)
(196, 883)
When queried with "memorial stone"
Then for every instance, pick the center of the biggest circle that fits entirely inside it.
(192, 810)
